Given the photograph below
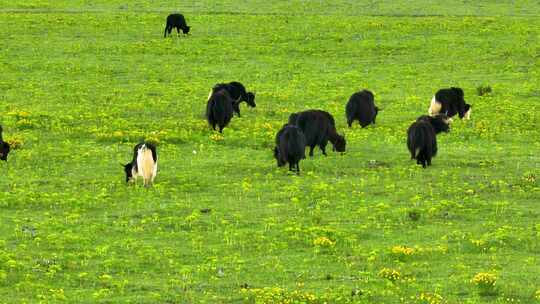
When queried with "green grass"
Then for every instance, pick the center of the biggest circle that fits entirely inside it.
(83, 81)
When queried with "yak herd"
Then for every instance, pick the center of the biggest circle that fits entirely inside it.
(313, 128)
(309, 128)
(316, 127)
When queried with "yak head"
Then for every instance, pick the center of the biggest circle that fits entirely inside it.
(339, 143)
(250, 99)
(279, 160)
(439, 122)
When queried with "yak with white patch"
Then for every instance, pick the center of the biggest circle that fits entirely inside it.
(450, 102)
(361, 107)
(219, 109)
(144, 164)
(4, 147)
(318, 127)
(290, 147)
(176, 21)
(422, 137)
(238, 93)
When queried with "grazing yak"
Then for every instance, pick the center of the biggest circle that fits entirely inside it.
(318, 127)
(179, 22)
(290, 147)
(450, 102)
(361, 107)
(422, 137)
(4, 147)
(238, 93)
(144, 163)
(219, 109)
(439, 122)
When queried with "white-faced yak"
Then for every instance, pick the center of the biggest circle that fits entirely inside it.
(450, 102)
(176, 21)
(144, 164)
(422, 138)
(361, 107)
(290, 147)
(219, 109)
(318, 127)
(4, 147)
(238, 93)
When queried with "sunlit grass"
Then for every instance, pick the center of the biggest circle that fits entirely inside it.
(83, 81)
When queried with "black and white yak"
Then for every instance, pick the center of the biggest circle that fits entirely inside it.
(176, 21)
(4, 147)
(238, 93)
(422, 137)
(219, 109)
(318, 127)
(144, 164)
(450, 102)
(361, 107)
(290, 147)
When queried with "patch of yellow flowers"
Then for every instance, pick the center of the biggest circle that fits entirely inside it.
(390, 274)
(271, 295)
(323, 241)
(217, 137)
(403, 250)
(430, 298)
(484, 280)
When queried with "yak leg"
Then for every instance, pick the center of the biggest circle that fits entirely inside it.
(322, 145)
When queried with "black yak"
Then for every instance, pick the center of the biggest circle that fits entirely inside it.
(238, 93)
(4, 147)
(439, 122)
(318, 127)
(361, 107)
(219, 110)
(450, 102)
(422, 137)
(179, 22)
(290, 147)
(144, 164)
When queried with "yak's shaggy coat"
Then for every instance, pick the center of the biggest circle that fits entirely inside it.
(290, 147)
(361, 107)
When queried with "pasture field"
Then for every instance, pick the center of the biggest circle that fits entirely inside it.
(83, 81)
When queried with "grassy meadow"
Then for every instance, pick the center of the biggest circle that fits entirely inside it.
(83, 81)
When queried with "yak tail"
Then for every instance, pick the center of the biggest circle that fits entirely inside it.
(415, 140)
(146, 165)
(218, 111)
